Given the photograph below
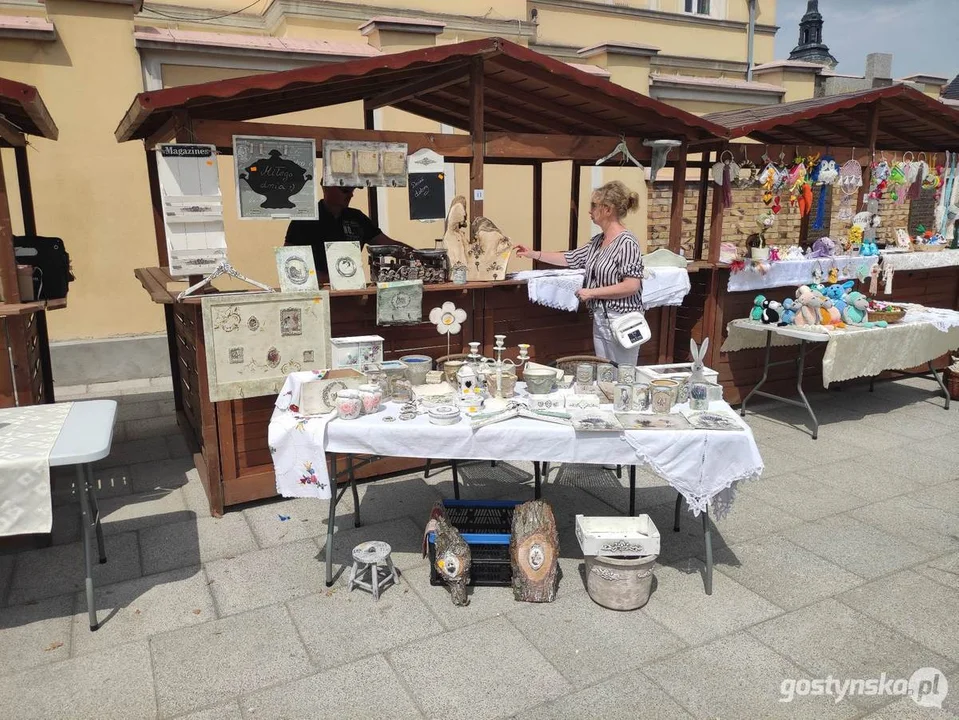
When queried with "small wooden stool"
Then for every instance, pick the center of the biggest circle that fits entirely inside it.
(368, 557)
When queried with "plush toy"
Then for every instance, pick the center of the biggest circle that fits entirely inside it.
(757, 310)
(823, 247)
(772, 312)
(836, 294)
(794, 253)
(857, 306)
(868, 248)
(789, 312)
(855, 235)
(808, 305)
(826, 172)
(831, 316)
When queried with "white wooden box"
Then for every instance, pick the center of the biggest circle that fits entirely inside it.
(357, 352)
(619, 535)
(672, 371)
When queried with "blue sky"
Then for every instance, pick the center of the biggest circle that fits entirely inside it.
(921, 34)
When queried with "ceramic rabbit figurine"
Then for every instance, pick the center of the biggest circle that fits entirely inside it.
(699, 361)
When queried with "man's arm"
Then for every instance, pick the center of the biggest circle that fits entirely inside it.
(382, 239)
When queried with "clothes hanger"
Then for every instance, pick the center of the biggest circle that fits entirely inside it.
(224, 268)
(621, 148)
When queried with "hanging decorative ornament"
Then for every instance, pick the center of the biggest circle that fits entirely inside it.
(747, 174)
(768, 180)
(932, 179)
(897, 182)
(449, 320)
(850, 180)
(826, 172)
(777, 204)
(879, 179)
(795, 179)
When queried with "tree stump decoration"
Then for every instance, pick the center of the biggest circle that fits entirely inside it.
(453, 560)
(534, 552)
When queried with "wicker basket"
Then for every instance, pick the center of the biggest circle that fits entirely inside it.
(928, 248)
(890, 316)
(952, 384)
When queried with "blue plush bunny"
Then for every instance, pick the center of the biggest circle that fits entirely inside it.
(789, 312)
(837, 292)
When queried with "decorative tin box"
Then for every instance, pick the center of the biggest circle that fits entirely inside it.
(357, 352)
(675, 371)
(617, 535)
(444, 415)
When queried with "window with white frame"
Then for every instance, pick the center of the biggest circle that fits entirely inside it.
(697, 7)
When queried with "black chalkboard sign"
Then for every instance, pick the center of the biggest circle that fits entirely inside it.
(427, 196)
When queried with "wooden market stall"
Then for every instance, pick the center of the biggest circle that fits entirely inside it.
(26, 377)
(865, 126)
(517, 106)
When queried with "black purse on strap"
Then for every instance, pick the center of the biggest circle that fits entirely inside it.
(51, 265)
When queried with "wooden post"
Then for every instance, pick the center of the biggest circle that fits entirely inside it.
(716, 224)
(153, 176)
(9, 289)
(575, 187)
(873, 136)
(477, 137)
(537, 209)
(701, 205)
(371, 200)
(678, 199)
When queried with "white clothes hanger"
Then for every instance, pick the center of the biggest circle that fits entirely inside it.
(224, 268)
(621, 148)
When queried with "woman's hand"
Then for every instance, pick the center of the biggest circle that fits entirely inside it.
(523, 251)
(585, 294)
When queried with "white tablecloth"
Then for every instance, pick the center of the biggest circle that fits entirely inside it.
(557, 288)
(921, 336)
(27, 435)
(702, 465)
(783, 273)
(920, 260)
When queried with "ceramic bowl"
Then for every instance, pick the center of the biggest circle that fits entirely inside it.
(416, 367)
(450, 368)
(539, 382)
(444, 415)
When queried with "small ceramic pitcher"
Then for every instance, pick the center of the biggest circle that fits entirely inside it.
(348, 404)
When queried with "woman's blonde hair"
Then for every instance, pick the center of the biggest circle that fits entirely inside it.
(617, 196)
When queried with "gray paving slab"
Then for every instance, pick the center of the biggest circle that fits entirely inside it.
(367, 688)
(113, 684)
(137, 609)
(66, 524)
(35, 634)
(901, 463)
(276, 522)
(485, 602)
(229, 711)
(914, 605)
(568, 501)
(856, 546)
(908, 709)
(782, 572)
(830, 638)
(808, 498)
(59, 569)
(109, 480)
(191, 542)
(871, 479)
(136, 451)
(479, 480)
(212, 663)
(487, 670)
(944, 570)
(680, 604)
(622, 697)
(738, 677)
(177, 446)
(404, 496)
(160, 474)
(580, 637)
(6, 574)
(749, 517)
(195, 494)
(158, 425)
(404, 536)
(339, 626)
(142, 510)
(922, 524)
(776, 461)
(688, 542)
(147, 405)
(266, 577)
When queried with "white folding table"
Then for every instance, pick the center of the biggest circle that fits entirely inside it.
(86, 437)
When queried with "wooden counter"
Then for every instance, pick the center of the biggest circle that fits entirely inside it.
(230, 437)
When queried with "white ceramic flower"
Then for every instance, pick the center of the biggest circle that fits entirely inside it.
(448, 319)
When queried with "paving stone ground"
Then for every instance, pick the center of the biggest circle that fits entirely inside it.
(841, 561)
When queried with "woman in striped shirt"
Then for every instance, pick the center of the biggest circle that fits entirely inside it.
(614, 268)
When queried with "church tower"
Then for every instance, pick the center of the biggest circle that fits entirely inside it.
(811, 47)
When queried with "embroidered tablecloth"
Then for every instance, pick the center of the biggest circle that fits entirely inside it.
(920, 260)
(922, 335)
(27, 435)
(791, 273)
(557, 288)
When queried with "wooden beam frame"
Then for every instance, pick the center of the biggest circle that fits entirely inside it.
(582, 118)
(537, 206)
(575, 190)
(477, 137)
(704, 166)
(941, 125)
(716, 223)
(413, 88)
(678, 201)
(369, 123)
(527, 116)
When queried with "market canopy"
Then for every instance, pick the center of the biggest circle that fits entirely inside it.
(523, 91)
(899, 117)
(22, 113)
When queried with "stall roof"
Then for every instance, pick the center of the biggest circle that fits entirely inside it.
(22, 112)
(908, 120)
(524, 91)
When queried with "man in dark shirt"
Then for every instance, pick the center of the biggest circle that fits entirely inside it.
(336, 221)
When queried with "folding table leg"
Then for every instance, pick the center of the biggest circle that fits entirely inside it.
(679, 507)
(802, 395)
(632, 490)
(331, 522)
(456, 479)
(86, 521)
(426, 470)
(762, 380)
(537, 488)
(709, 552)
(95, 508)
(356, 494)
(938, 376)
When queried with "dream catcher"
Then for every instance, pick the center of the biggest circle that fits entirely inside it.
(723, 173)
(823, 173)
(879, 179)
(897, 181)
(850, 180)
(915, 172)
(774, 179)
(933, 177)
(748, 174)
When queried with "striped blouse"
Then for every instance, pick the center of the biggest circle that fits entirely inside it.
(610, 265)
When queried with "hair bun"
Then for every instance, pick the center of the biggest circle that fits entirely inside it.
(633, 202)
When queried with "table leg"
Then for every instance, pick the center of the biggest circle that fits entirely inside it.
(537, 489)
(356, 494)
(95, 508)
(331, 522)
(632, 490)
(802, 395)
(456, 479)
(762, 380)
(938, 376)
(679, 506)
(85, 520)
(709, 552)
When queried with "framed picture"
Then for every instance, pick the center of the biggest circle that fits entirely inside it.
(399, 303)
(275, 178)
(296, 269)
(364, 164)
(345, 262)
(254, 340)
(192, 208)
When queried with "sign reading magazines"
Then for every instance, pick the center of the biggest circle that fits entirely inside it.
(275, 177)
(192, 208)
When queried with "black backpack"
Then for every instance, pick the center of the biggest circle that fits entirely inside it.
(51, 265)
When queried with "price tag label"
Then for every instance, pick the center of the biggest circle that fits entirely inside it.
(478, 194)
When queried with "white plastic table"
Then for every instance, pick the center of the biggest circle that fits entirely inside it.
(86, 437)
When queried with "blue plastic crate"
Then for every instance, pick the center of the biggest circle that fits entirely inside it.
(486, 525)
